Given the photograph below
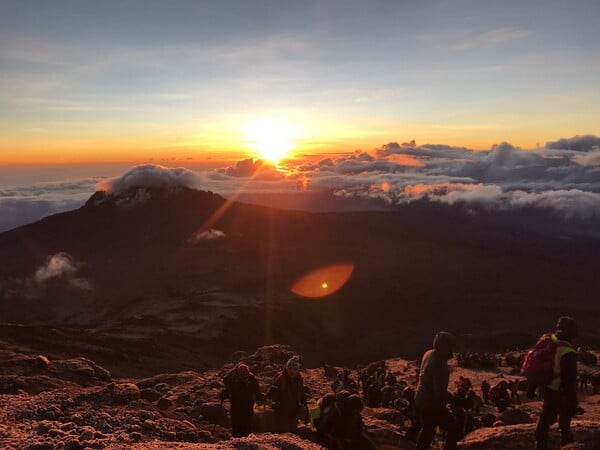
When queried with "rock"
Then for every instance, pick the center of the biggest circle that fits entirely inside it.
(125, 392)
(588, 358)
(87, 434)
(162, 387)
(196, 411)
(488, 420)
(216, 384)
(40, 446)
(330, 371)
(150, 395)
(522, 437)
(73, 444)
(214, 413)
(11, 384)
(278, 354)
(135, 436)
(80, 370)
(145, 415)
(498, 423)
(515, 416)
(164, 403)
(43, 427)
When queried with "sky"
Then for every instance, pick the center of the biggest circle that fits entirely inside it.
(117, 81)
(488, 103)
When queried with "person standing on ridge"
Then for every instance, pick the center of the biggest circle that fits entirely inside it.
(432, 397)
(560, 396)
(242, 390)
(287, 392)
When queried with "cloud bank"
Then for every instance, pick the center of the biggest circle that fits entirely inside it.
(563, 177)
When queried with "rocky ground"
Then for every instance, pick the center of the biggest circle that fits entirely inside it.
(75, 404)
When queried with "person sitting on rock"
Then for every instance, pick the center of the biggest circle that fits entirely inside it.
(287, 393)
(499, 396)
(242, 390)
(432, 397)
(328, 422)
(352, 427)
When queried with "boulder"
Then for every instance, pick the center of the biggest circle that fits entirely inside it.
(150, 395)
(164, 403)
(515, 416)
(214, 413)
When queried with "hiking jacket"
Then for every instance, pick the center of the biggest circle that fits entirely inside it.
(242, 393)
(432, 391)
(288, 394)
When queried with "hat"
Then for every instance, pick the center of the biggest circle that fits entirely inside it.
(293, 363)
(568, 326)
(243, 370)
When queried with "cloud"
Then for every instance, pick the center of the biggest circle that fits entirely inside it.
(62, 267)
(585, 143)
(591, 158)
(26, 204)
(151, 176)
(208, 235)
(248, 168)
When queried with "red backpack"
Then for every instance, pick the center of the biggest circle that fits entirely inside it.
(538, 366)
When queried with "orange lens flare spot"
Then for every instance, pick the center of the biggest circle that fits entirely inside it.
(323, 281)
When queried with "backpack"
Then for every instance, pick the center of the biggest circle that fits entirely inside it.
(538, 366)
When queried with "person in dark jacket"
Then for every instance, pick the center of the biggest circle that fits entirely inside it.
(242, 390)
(560, 396)
(432, 397)
(287, 392)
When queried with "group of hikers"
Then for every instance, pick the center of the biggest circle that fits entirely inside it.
(475, 360)
(337, 417)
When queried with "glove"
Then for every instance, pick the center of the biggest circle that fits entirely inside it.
(531, 391)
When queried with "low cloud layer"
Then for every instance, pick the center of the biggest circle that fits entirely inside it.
(562, 177)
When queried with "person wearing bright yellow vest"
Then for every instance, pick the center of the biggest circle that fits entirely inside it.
(560, 396)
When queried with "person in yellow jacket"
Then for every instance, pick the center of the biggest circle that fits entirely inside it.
(560, 396)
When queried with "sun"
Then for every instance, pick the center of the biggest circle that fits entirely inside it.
(272, 138)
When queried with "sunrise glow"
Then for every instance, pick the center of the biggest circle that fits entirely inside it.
(271, 137)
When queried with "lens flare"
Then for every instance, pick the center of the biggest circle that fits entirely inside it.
(323, 281)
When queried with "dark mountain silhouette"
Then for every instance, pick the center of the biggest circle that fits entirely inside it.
(165, 278)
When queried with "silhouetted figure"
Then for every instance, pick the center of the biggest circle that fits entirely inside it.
(352, 436)
(432, 396)
(485, 391)
(499, 396)
(242, 390)
(514, 392)
(560, 396)
(583, 381)
(410, 412)
(287, 392)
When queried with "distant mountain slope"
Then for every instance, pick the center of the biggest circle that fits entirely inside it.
(213, 275)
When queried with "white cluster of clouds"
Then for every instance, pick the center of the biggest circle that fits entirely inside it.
(206, 235)
(151, 176)
(563, 176)
(60, 266)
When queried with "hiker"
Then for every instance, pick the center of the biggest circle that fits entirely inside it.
(327, 421)
(410, 412)
(242, 390)
(499, 396)
(352, 427)
(388, 396)
(287, 392)
(485, 391)
(513, 387)
(432, 397)
(583, 381)
(560, 396)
